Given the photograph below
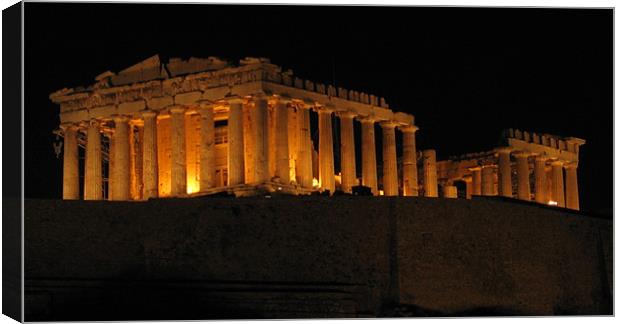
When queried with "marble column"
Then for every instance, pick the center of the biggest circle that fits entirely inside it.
(207, 147)
(410, 164)
(177, 140)
(93, 189)
(429, 168)
(540, 176)
(111, 170)
(572, 190)
(261, 139)
(121, 159)
(282, 162)
(476, 181)
(347, 151)
(326, 150)
(149, 156)
(304, 153)
(236, 163)
(523, 176)
(450, 191)
(70, 165)
(557, 184)
(390, 171)
(488, 180)
(505, 181)
(369, 156)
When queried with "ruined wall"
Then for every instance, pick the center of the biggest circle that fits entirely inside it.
(312, 257)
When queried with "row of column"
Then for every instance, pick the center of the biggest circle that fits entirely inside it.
(120, 153)
(563, 193)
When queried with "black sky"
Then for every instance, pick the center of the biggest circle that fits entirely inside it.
(465, 73)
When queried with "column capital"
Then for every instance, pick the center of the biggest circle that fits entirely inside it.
(148, 113)
(205, 103)
(346, 114)
(541, 157)
(366, 119)
(571, 165)
(487, 165)
(120, 118)
(177, 109)
(557, 163)
(282, 99)
(409, 128)
(475, 168)
(388, 124)
(67, 126)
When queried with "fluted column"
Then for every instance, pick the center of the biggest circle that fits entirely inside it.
(369, 155)
(149, 157)
(261, 139)
(450, 191)
(476, 181)
(304, 153)
(92, 175)
(540, 176)
(523, 176)
(207, 147)
(390, 171)
(505, 181)
(121, 159)
(572, 190)
(347, 151)
(557, 184)
(429, 168)
(283, 170)
(70, 166)
(236, 165)
(177, 140)
(410, 164)
(487, 180)
(326, 150)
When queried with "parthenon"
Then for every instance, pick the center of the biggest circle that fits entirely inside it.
(203, 126)
(206, 126)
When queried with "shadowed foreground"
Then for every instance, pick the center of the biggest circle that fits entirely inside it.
(310, 257)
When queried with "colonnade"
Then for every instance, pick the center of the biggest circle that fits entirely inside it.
(268, 138)
(555, 181)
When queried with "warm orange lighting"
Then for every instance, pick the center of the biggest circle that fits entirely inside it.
(192, 186)
(381, 193)
(552, 203)
(315, 183)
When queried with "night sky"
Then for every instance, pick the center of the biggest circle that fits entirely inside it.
(465, 73)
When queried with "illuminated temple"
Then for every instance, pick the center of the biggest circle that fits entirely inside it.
(206, 126)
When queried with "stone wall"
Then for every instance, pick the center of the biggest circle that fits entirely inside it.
(283, 257)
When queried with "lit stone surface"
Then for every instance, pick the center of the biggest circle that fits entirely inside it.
(429, 167)
(504, 174)
(410, 163)
(557, 185)
(476, 181)
(540, 177)
(207, 148)
(178, 178)
(488, 180)
(450, 192)
(347, 151)
(93, 189)
(326, 151)
(121, 159)
(572, 191)
(390, 173)
(282, 157)
(369, 156)
(236, 166)
(304, 153)
(261, 141)
(70, 166)
(523, 176)
(149, 160)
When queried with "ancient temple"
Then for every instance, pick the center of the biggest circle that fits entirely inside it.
(204, 126)
(527, 166)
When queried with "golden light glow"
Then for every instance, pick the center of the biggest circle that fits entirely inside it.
(552, 203)
(381, 193)
(315, 183)
(192, 186)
